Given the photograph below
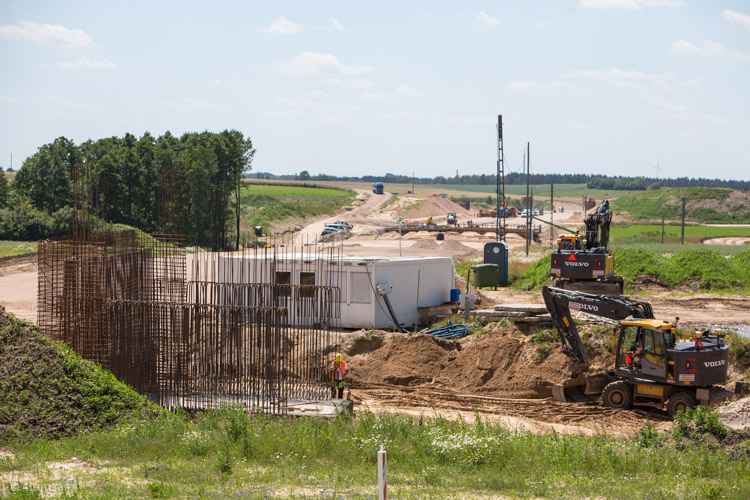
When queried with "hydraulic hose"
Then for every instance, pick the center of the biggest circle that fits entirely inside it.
(393, 315)
(449, 331)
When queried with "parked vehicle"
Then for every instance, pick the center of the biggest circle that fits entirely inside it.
(338, 227)
(344, 223)
(330, 230)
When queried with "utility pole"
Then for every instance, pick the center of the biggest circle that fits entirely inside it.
(528, 196)
(500, 180)
(552, 212)
(413, 191)
(682, 238)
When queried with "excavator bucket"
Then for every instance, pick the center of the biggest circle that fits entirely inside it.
(579, 389)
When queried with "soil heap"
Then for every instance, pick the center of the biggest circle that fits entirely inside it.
(46, 390)
(501, 362)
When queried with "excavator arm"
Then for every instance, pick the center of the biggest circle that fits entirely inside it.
(559, 303)
(597, 227)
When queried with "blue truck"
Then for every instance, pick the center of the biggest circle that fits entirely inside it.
(377, 188)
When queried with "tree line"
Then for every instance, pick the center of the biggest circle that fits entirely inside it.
(209, 168)
(592, 181)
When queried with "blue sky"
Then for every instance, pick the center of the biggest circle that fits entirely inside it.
(355, 88)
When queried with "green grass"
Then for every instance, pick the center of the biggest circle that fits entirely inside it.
(567, 191)
(226, 454)
(623, 233)
(11, 248)
(709, 205)
(47, 390)
(271, 205)
(287, 191)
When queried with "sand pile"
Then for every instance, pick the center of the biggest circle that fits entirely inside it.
(456, 247)
(425, 245)
(499, 363)
(437, 207)
(736, 415)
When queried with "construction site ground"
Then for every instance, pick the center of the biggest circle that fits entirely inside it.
(497, 375)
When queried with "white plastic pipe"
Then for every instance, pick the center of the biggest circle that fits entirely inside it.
(382, 470)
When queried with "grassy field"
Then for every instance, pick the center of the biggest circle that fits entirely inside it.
(567, 192)
(651, 233)
(227, 454)
(10, 248)
(710, 205)
(271, 205)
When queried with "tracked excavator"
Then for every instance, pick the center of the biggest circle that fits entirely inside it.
(586, 263)
(651, 367)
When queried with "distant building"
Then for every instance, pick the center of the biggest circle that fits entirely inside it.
(10, 170)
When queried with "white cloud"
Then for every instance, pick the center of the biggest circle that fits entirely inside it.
(5, 98)
(708, 48)
(86, 63)
(316, 62)
(671, 110)
(487, 20)
(303, 100)
(618, 74)
(530, 85)
(200, 103)
(216, 82)
(463, 120)
(337, 26)
(410, 91)
(375, 96)
(691, 82)
(355, 84)
(46, 34)
(737, 19)
(282, 26)
(629, 4)
(399, 115)
(523, 85)
(542, 24)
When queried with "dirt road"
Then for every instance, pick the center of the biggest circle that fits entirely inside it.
(537, 415)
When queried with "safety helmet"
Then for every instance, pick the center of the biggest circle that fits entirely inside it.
(339, 357)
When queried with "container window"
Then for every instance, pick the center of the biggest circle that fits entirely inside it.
(307, 282)
(283, 278)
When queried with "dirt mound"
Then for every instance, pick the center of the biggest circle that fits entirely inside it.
(456, 247)
(406, 360)
(736, 415)
(501, 362)
(46, 390)
(433, 206)
(425, 245)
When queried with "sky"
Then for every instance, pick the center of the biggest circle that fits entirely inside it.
(616, 87)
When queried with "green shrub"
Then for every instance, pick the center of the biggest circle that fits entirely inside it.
(710, 267)
(631, 262)
(700, 420)
(536, 275)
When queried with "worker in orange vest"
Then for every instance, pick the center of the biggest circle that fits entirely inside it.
(338, 376)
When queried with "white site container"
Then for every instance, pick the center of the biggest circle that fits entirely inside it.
(361, 306)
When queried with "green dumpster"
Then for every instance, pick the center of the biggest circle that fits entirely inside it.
(485, 275)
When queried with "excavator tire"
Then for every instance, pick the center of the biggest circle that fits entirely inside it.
(618, 394)
(680, 401)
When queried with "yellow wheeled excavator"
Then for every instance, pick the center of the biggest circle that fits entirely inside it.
(651, 367)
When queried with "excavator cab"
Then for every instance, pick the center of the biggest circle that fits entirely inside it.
(568, 242)
(642, 350)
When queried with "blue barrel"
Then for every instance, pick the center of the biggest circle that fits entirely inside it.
(455, 294)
